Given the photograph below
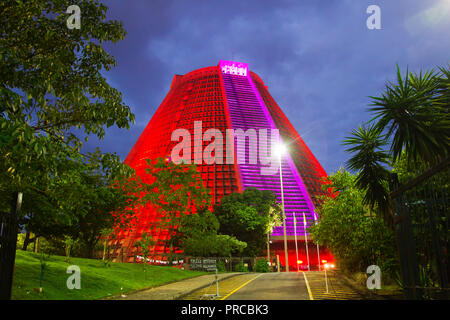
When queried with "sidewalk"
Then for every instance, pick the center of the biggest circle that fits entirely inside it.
(175, 290)
(336, 287)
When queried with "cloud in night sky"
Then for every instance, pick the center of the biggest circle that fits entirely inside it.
(318, 58)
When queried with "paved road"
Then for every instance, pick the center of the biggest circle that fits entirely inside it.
(273, 286)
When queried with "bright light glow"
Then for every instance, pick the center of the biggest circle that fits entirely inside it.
(326, 266)
(280, 149)
(324, 261)
(331, 266)
(299, 261)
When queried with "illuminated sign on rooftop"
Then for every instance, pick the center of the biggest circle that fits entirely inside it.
(232, 67)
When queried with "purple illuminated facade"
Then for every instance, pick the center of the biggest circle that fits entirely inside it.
(248, 111)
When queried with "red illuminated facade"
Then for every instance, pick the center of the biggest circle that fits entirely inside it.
(230, 96)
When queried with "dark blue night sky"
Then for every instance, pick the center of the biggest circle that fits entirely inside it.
(318, 58)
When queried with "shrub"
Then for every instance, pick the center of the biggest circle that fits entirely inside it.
(262, 265)
(240, 267)
(221, 266)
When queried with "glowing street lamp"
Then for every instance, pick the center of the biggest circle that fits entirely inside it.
(280, 150)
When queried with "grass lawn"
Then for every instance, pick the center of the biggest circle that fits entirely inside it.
(97, 280)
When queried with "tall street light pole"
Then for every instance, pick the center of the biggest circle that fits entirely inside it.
(282, 150)
(306, 239)
(317, 244)
(295, 236)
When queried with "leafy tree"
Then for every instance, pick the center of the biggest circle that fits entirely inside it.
(107, 234)
(145, 245)
(350, 229)
(198, 236)
(68, 242)
(106, 203)
(370, 160)
(95, 199)
(174, 191)
(50, 84)
(411, 117)
(248, 216)
(414, 111)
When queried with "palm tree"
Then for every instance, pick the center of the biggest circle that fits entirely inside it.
(370, 160)
(414, 113)
(413, 117)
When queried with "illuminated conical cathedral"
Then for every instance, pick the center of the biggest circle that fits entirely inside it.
(230, 96)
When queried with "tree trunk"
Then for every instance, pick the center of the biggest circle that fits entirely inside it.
(170, 254)
(36, 244)
(26, 241)
(68, 253)
(104, 248)
(8, 242)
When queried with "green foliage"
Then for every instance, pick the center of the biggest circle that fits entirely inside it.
(414, 111)
(43, 262)
(427, 209)
(174, 191)
(51, 82)
(355, 236)
(95, 197)
(240, 267)
(145, 246)
(221, 266)
(411, 116)
(20, 240)
(52, 97)
(262, 265)
(68, 241)
(96, 280)
(370, 160)
(198, 236)
(249, 216)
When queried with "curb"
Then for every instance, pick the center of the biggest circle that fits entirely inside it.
(176, 297)
(184, 294)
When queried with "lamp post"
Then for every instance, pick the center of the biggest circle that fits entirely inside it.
(295, 235)
(281, 149)
(306, 240)
(317, 244)
(326, 279)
